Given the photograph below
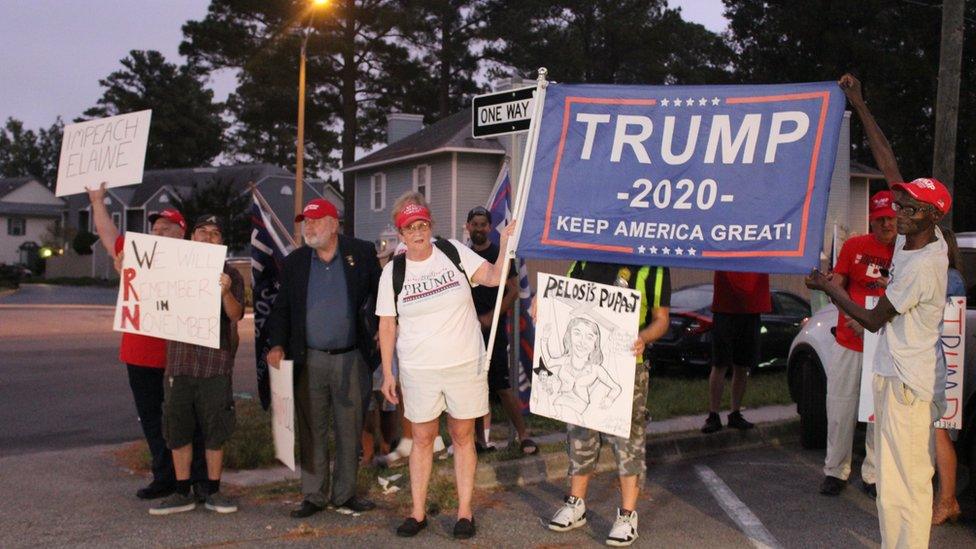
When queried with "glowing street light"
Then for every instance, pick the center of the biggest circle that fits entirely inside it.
(300, 151)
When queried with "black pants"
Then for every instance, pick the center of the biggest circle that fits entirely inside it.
(147, 391)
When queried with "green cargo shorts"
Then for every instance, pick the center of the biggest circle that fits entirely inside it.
(189, 400)
(585, 444)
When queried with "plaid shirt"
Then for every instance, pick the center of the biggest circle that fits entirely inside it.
(187, 359)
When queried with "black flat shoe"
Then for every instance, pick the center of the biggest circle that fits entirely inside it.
(306, 509)
(357, 504)
(832, 486)
(464, 528)
(411, 527)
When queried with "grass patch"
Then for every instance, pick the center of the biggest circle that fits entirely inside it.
(671, 397)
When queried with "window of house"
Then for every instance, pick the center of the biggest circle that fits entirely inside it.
(421, 180)
(83, 216)
(117, 220)
(164, 198)
(377, 192)
(135, 220)
(286, 190)
(16, 226)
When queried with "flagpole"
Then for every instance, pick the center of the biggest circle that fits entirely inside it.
(519, 206)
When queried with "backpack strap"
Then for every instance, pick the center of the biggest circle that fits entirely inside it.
(451, 252)
(399, 273)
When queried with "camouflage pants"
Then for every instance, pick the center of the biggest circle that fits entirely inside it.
(585, 444)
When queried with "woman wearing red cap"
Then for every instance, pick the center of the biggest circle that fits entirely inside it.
(427, 314)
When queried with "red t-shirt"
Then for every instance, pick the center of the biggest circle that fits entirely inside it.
(138, 349)
(741, 293)
(861, 260)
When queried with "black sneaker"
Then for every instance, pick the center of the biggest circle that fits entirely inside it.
(411, 527)
(870, 488)
(464, 528)
(832, 486)
(736, 421)
(712, 424)
(156, 490)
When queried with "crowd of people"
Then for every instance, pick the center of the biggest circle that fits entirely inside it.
(404, 344)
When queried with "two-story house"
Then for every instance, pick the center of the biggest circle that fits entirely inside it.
(29, 212)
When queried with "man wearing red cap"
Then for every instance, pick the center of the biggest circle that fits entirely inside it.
(861, 271)
(908, 385)
(323, 320)
(145, 357)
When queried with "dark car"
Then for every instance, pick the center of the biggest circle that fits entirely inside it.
(687, 345)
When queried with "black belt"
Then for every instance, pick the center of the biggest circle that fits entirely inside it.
(336, 351)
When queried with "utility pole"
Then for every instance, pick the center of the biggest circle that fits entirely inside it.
(947, 99)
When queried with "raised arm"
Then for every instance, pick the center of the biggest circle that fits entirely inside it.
(872, 319)
(104, 227)
(490, 274)
(880, 148)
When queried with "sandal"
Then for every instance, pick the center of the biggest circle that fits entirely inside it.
(529, 447)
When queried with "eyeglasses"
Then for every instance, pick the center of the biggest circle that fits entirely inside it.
(910, 211)
(418, 227)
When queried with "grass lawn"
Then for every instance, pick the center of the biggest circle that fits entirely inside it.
(671, 397)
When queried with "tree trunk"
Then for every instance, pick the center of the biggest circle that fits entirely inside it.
(947, 101)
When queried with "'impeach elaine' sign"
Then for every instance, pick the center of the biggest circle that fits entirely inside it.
(710, 177)
(110, 149)
(170, 289)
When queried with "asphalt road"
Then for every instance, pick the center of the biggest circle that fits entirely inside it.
(61, 382)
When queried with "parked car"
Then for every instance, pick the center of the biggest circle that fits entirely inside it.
(687, 345)
(812, 348)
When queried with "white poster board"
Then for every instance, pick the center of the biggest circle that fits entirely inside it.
(283, 412)
(111, 149)
(953, 341)
(170, 288)
(583, 367)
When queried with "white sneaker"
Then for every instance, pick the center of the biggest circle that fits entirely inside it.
(440, 450)
(571, 515)
(624, 531)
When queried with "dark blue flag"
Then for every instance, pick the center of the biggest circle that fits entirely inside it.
(707, 177)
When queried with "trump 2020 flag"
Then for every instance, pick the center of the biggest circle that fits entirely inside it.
(500, 206)
(270, 243)
(706, 177)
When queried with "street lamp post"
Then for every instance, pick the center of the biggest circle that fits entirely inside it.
(300, 145)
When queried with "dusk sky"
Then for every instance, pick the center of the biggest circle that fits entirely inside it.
(55, 51)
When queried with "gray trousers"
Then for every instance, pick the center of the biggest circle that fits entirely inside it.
(336, 386)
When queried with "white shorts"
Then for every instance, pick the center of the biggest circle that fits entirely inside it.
(459, 390)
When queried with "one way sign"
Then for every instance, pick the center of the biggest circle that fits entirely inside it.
(500, 113)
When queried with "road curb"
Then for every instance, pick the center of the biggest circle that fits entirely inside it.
(660, 449)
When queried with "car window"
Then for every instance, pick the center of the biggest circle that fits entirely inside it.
(692, 299)
(788, 305)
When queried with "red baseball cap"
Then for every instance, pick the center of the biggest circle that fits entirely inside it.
(411, 213)
(880, 205)
(171, 215)
(317, 209)
(929, 190)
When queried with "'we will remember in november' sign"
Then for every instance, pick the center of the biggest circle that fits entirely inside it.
(170, 289)
(705, 177)
(110, 149)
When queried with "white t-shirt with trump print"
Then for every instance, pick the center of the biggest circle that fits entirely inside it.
(438, 327)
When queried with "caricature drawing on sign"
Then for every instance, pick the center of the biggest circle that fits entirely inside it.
(576, 373)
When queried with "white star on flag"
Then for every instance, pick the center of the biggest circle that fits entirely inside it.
(652, 249)
(666, 250)
(691, 251)
(665, 102)
(715, 101)
(690, 102)
(702, 102)
(677, 102)
(679, 251)
(641, 248)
